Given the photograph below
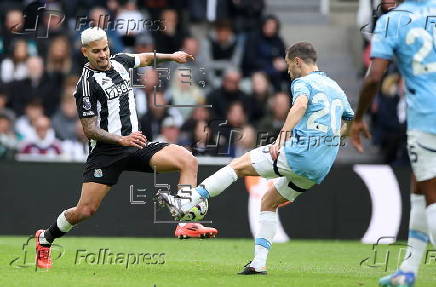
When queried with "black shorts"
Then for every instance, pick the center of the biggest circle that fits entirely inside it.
(99, 172)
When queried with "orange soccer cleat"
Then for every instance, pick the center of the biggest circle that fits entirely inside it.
(43, 259)
(194, 230)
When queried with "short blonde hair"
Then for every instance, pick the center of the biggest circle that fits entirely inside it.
(92, 34)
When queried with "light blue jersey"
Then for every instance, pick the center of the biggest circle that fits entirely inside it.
(316, 138)
(408, 32)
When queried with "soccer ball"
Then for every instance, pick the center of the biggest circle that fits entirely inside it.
(197, 212)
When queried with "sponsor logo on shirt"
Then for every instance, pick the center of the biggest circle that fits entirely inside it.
(117, 90)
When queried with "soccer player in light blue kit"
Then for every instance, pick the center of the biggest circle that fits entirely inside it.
(407, 33)
(301, 156)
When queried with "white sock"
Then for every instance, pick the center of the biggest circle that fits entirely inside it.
(264, 236)
(62, 223)
(42, 239)
(218, 182)
(431, 221)
(418, 238)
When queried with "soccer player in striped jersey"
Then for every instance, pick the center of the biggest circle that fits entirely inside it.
(106, 108)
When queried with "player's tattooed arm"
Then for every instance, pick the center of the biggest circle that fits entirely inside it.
(147, 59)
(93, 132)
(136, 139)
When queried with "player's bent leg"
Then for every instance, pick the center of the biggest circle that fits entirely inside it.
(177, 158)
(282, 190)
(243, 166)
(265, 233)
(172, 158)
(271, 200)
(90, 199)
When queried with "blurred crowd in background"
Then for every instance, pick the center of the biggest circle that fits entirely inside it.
(239, 70)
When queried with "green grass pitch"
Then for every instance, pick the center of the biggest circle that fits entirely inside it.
(211, 262)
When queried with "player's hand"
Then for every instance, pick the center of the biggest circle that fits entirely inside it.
(136, 139)
(357, 128)
(274, 150)
(182, 57)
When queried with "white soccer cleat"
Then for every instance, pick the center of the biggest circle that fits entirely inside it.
(171, 202)
(188, 198)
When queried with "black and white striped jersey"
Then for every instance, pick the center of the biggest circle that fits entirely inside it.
(108, 95)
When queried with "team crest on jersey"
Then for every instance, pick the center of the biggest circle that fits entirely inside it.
(86, 103)
(98, 173)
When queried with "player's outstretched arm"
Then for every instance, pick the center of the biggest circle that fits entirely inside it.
(369, 88)
(295, 114)
(147, 59)
(136, 139)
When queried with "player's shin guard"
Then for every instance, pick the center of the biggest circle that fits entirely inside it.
(218, 182)
(56, 230)
(418, 238)
(264, 236)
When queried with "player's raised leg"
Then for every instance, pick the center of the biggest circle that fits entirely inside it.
(177, 158)
(223, 178)
(216, 183)
(90, 199)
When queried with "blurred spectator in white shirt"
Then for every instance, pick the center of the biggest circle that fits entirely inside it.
(78, 148)
(148, 81)
(170, 131)
(130, 22)
(23, 126)
(64, 120)
(246, 142)
(183, 91)
(14, 68)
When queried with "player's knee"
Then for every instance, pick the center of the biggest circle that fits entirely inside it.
(187, 160)
(192, 161)
(87, 210)
(268, 203)
(239, 165)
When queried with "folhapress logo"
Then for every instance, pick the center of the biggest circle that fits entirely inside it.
(105, 256)
(28, 258)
